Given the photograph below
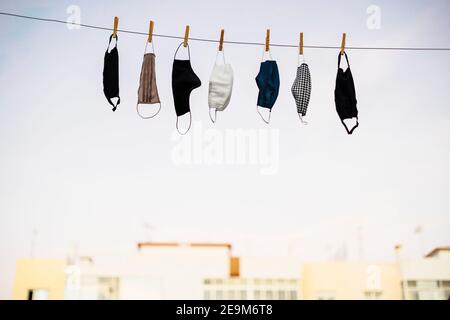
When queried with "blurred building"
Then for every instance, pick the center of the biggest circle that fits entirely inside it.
(351, 280)
(210, 271)
(39, 279)
(154, 271)
(258, 278)
(428, 278)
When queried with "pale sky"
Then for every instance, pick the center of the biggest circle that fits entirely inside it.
(87, 177)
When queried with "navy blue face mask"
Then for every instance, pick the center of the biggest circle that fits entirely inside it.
(268, 81)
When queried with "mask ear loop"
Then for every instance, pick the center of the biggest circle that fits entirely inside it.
(176, 51)
(270, 113)
(190, 122)
(215, 115)
(298, 59)
(137, 104)
(270, 55)
(301, 119)
(223, 57)
(346, 58)
(190, 114)
(109, 43)
(352, 129)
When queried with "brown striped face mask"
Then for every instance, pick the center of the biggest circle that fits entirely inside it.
(148, 92)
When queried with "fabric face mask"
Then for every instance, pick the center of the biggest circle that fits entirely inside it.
(148, 91)
(268, 81)
(345, 95)
(301, 90)
(184, 80)
(111, 75)
(220, 87)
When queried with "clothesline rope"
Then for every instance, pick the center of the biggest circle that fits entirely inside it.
(217, 41)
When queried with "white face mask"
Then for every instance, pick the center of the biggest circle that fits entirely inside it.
(220, 87)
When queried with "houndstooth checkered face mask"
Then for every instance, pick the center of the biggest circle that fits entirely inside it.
(301, 90)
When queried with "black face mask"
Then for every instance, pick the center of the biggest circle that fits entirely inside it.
(345, 95)
(184, 80)
(111, 75)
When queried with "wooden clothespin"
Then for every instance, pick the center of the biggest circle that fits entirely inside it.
(116, 24)
(343, 43)
(186, 36)
(301, 44)
(222, 33)
(267, 40)
(150, 31)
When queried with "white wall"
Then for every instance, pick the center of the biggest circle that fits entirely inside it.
(426, 269)
(163, 272)
(270, 267)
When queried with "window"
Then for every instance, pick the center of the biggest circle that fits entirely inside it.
(372, 295)
(281, 295)
(325, 295)
(269, 295)
(108, 288)
(257, 294)
(207, 295)
(243, 295)
(427, 284)
(219, 294)
(447, 294)
(411, 283)
(293, 295)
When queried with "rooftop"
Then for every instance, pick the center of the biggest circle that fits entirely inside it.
(436, 250)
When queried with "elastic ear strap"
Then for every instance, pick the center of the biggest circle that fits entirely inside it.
(111, 103)
(215, 115)
(190, 122)
(111, 36)
(298, 59)
(346, 58)
(264, 52)
(149, 117)
(301, 119)
(146, 45)
(189, 51)
(270, 113)
(354, 127)
(223, 56)
(109, 43)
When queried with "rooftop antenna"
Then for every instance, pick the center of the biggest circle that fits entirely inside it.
(418, 231)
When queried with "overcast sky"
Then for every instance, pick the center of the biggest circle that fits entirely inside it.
(84, 176)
